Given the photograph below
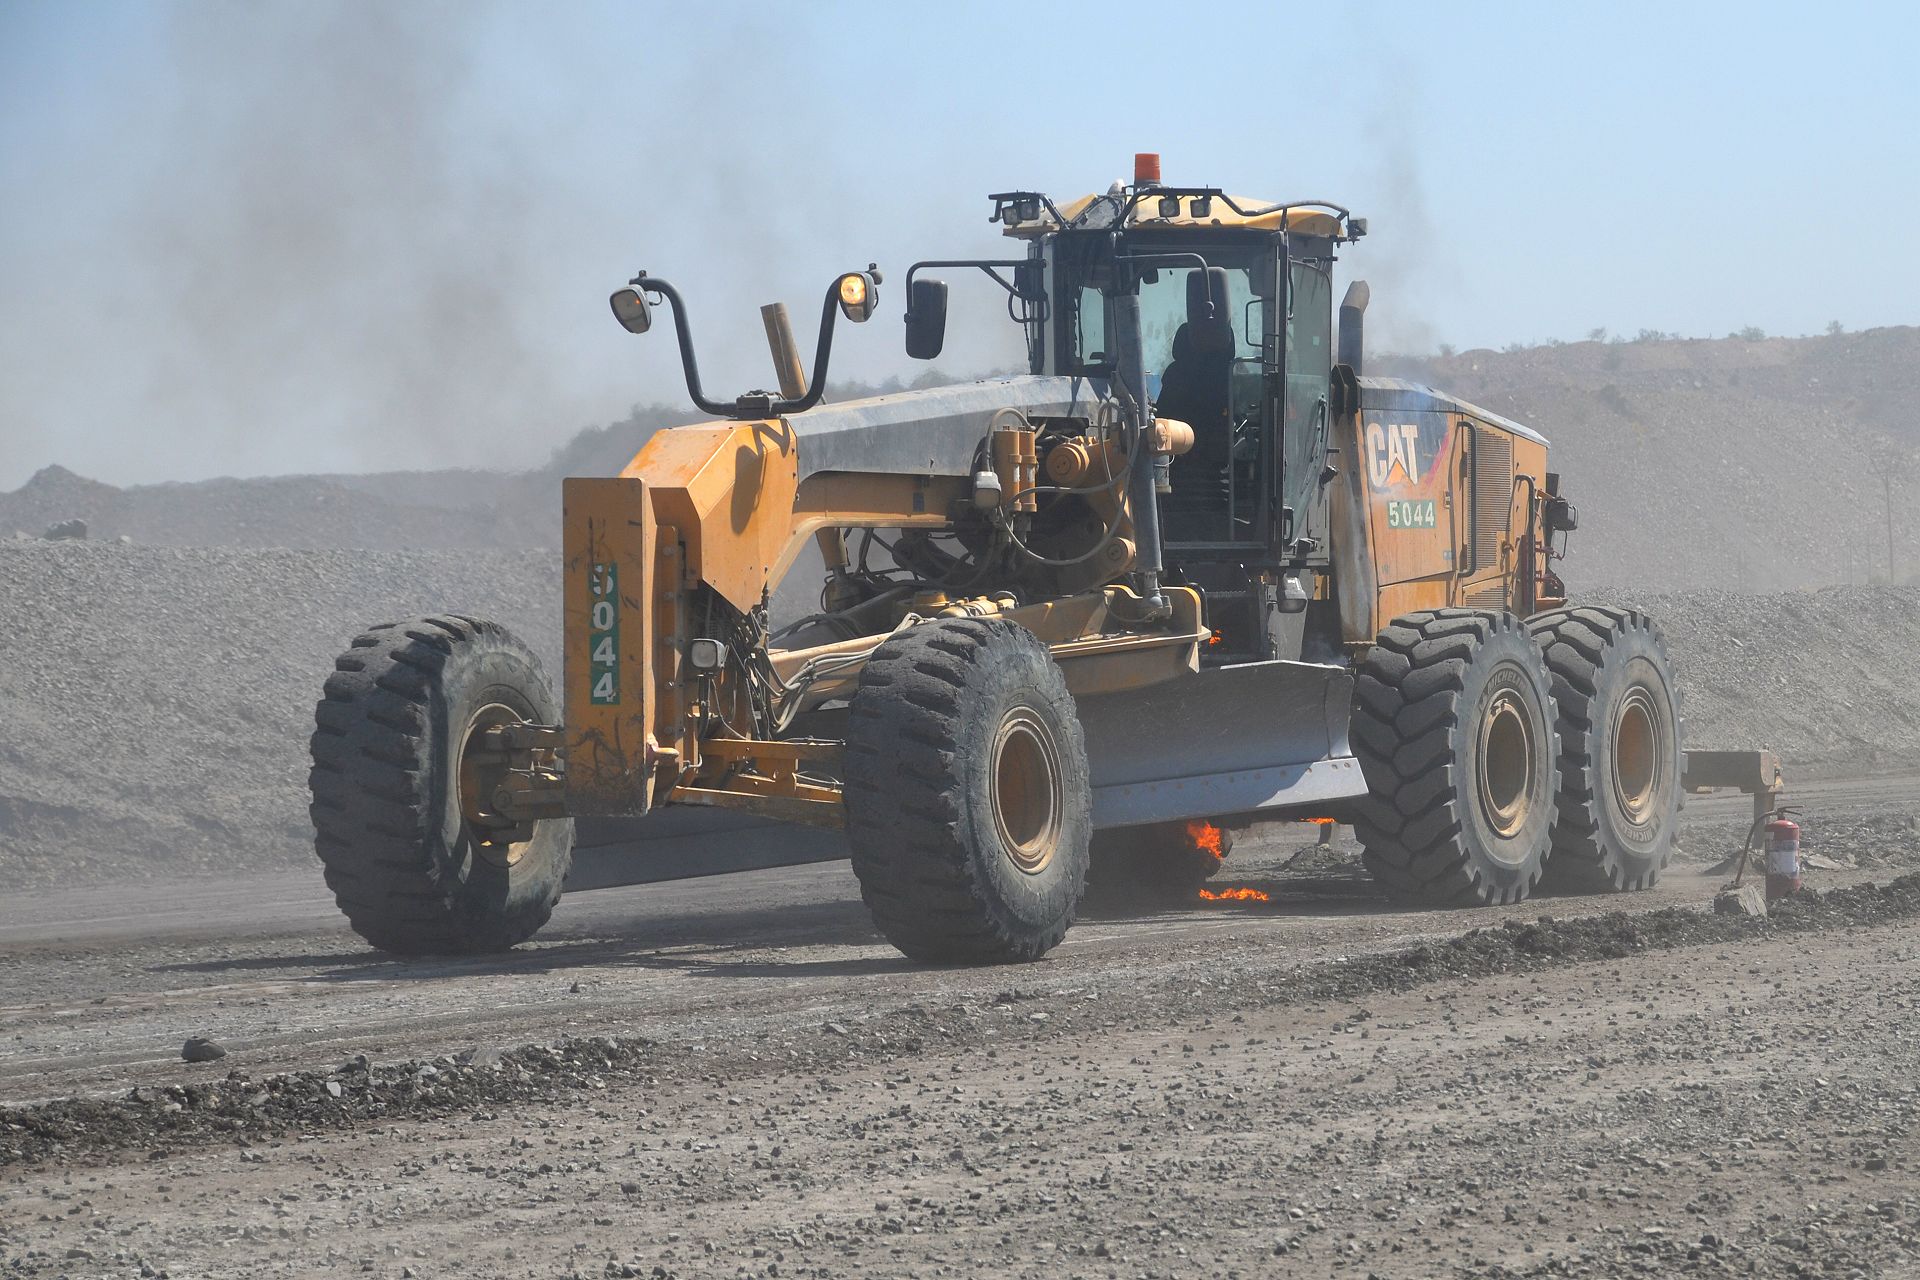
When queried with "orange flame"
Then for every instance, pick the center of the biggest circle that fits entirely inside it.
(1205, 835)
(1319, 822)
(1240, 894)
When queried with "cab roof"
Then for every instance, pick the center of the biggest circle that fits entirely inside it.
(1304, 217)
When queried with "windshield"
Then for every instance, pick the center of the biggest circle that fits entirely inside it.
(1163, 310)
(1083, 276)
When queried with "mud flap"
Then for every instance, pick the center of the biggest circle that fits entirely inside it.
(1263, 737)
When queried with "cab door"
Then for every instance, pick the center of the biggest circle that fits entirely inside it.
(1304, 421)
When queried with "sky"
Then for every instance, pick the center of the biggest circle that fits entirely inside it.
(242, 239)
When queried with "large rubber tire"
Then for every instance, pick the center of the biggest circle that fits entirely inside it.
(1453, 726)
(967, 795)
(409, 871)
(1620, 763)
(1160, 862)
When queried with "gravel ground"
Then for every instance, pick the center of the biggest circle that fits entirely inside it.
(1655, 1094)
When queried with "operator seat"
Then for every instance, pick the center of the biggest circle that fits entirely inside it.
(1194, 389)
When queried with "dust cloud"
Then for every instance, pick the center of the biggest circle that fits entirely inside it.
(360, 238)
(327, 256)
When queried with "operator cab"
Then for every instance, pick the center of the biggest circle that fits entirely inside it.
(1206, 302)
(1235, 313)
(1220, 311)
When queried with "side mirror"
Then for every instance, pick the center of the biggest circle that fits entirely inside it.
(631, 310)
(926, 318)
(1206, 295)
(1561, 516)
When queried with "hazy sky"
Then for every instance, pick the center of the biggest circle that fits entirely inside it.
(240, 239)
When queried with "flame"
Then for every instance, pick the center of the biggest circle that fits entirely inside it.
(1205, 835)
(1319, 822)
(1240, 894)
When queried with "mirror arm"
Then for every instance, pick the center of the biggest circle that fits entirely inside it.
(653, 284)
(749, 406)
(986, 266)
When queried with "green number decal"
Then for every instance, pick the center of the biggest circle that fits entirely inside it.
(1413, 514)
(603, 637)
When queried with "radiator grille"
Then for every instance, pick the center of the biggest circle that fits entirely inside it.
(1491, 596)
(1492, 496)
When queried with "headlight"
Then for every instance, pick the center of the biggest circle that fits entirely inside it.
(859, 295)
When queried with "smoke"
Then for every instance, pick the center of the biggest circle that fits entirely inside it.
(368, 237)
(1406, 260)
(326, 263)
(288, 236)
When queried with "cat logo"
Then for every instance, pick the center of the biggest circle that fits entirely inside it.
(1392, 454)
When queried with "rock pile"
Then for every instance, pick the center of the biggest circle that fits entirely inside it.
(439, 510)
(1740, 465)
(155, 702)
(155, 699)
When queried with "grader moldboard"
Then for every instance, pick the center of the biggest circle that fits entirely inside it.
(1192, 566)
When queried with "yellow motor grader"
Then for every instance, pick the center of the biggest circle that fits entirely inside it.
(1191, 571)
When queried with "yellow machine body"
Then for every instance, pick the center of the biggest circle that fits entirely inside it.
(678, 691)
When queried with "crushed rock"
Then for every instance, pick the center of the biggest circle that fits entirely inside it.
(240, 1109)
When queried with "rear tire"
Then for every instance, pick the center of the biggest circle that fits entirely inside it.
(1160, 861)
(967, 794)
(1619, 723)
(412, 873)
(1453, 726)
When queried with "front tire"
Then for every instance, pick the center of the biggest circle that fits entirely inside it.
(1453, 726)
(967, 794)
(1619, 721)
(409, 857)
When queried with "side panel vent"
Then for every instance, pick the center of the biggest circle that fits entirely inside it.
(1492, 496)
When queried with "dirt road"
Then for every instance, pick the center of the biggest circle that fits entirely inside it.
(1198, 1091)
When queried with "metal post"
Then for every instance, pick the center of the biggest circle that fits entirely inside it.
(1886, 479)
(1142, 503)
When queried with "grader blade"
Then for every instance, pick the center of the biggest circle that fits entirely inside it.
(1255, 738)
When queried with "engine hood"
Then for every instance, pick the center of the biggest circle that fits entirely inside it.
(931, 432)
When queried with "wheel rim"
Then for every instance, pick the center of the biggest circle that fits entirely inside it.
(1506, 764)
(481, 773)
(1027, 792)
(1637, 762)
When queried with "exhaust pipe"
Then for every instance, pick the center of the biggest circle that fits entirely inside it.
(786, 353)
(1353, 312)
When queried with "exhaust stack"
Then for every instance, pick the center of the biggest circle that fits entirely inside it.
(1353, 312)
(786, 353)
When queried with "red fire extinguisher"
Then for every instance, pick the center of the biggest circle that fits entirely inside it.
(1783, 856)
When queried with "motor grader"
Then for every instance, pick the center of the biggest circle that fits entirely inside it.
(1193, 570)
